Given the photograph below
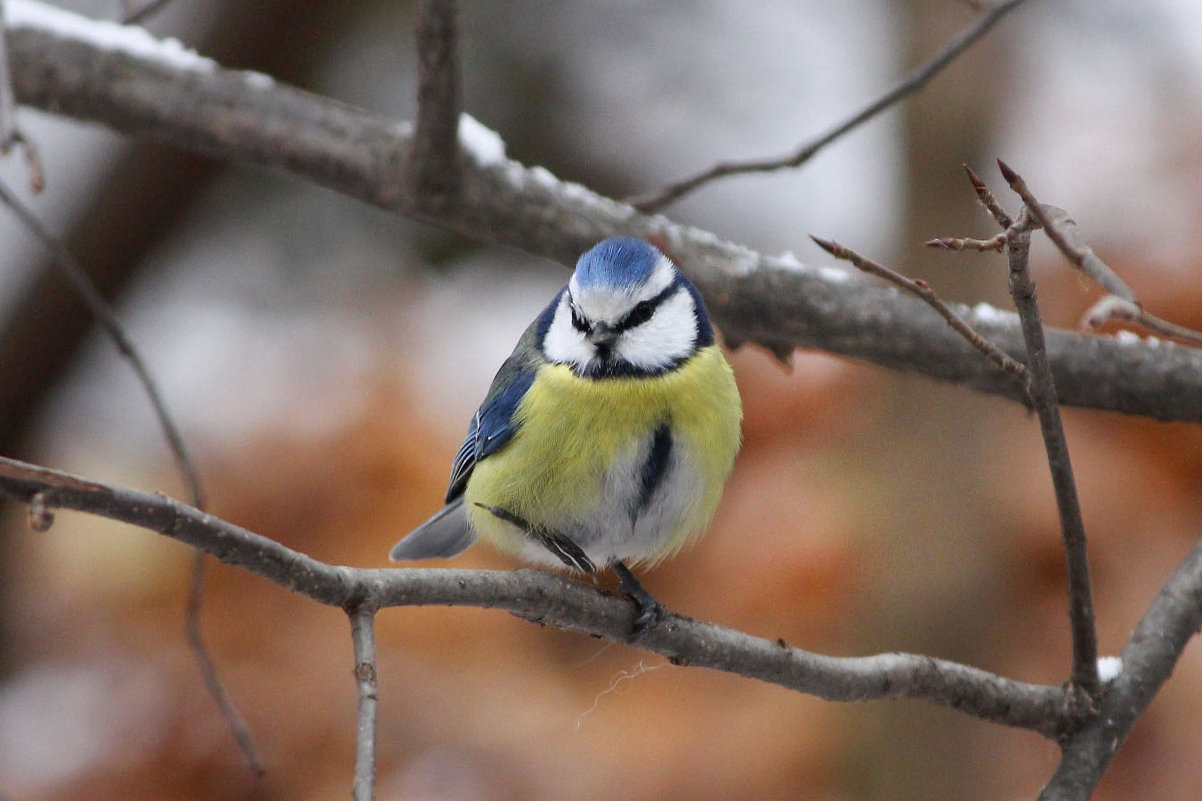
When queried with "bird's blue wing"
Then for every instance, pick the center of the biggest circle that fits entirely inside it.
(492, 425)
(447, 533)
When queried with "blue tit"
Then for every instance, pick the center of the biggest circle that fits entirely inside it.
(606, 437)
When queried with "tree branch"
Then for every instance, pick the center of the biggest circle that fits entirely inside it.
(1072, 527)
(923, 291)
(107, 319)
(553, 600)
(915, 81)
(151, 88)
(433, 165)
(1148, 659)
(363, 635)
(11, 135)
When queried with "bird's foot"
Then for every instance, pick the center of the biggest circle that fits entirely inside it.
(648, 611)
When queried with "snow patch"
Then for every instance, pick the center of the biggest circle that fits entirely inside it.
(834, 275)
(1109, 668)
(105, 35)
(483, 144)
(985, 313)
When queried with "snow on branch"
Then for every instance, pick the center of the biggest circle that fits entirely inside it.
(133, 83)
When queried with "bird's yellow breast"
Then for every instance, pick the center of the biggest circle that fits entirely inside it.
(573, 430)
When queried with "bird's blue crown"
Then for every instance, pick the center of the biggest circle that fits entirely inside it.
(622, 262)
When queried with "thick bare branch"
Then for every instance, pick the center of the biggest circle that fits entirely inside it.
(553, 600)
(775, 302)
(915, 81)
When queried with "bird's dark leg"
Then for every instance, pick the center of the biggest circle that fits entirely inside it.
(568, 551)
(650, 611)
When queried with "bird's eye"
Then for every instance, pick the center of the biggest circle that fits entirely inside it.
(639, 314)
(578, 321)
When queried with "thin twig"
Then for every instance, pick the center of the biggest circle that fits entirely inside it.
(433, 167)
(140, 15)
(208, 669)
(1065, 234)
(1121, 302)
(997, 244)
(570, 605)
(921, 289)
(915, 81)
(107, 319)
(987, 199)
(363, 635)
(1112, 307)
(1072, 527)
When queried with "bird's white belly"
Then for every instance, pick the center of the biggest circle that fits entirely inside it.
(618, 526)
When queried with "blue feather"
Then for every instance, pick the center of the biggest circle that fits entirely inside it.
(492, 426)
(620, 263)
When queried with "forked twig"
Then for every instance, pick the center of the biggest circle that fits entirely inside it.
(555, 600)
(915, 81)
(1121, 302)
(1066, 236)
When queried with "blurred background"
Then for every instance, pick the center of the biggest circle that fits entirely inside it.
(324, 358)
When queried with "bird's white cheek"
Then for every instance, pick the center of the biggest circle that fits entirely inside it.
(669, 335)
(564, 343)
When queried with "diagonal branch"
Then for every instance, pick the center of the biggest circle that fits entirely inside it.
(922, 290)
(194, 104)
(106, 318)
(915, 81)
(1148, 659)
(566, 604)
(1121, 303)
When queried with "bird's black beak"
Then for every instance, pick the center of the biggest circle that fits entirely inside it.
(602, 335)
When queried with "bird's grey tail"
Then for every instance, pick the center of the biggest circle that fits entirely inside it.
(444, 535)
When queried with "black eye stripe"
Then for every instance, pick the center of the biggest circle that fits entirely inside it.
(643, 310)
(578, 321)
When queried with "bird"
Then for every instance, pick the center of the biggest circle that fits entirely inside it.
(607, 436)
